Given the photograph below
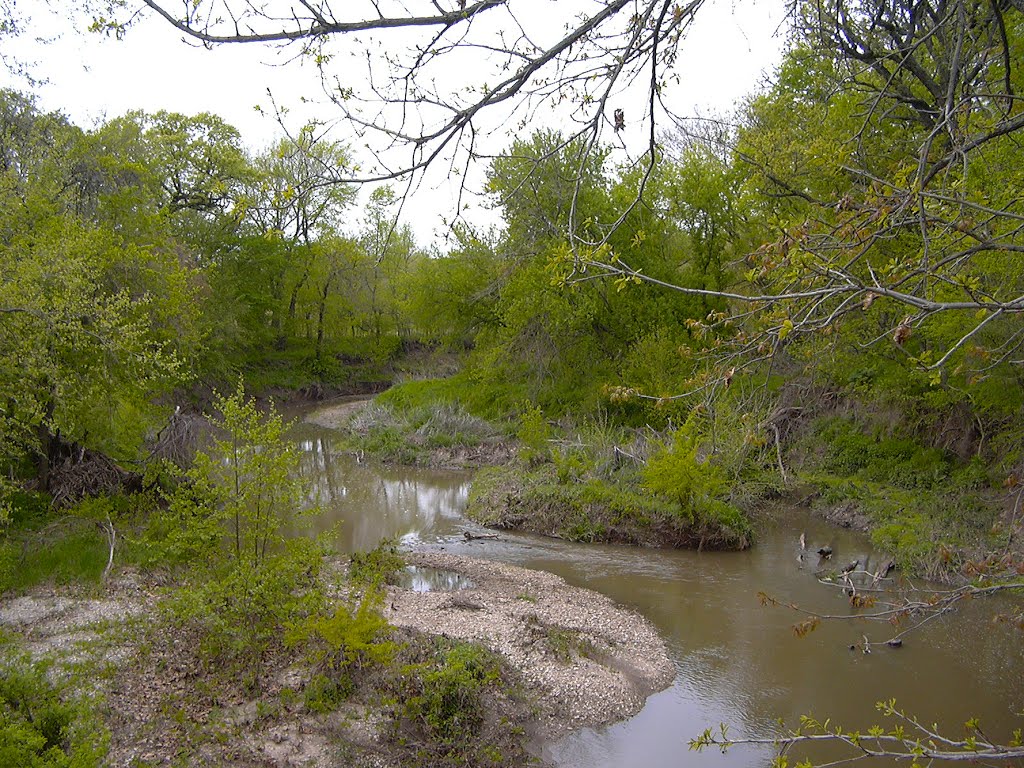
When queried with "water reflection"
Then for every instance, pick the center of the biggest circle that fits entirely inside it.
(738, 661)
(365, 502)
(420, 578)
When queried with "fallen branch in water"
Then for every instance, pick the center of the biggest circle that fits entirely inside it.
(473, 536)
(927, 609)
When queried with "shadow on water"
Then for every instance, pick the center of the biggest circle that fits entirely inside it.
(738, 661)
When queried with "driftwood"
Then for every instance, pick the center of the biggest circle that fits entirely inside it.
(90, 473)
(619, 455)
(179, 438)
(472, 536)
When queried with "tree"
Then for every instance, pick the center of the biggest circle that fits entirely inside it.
(91, 321)
(886, 164)
(292, 199)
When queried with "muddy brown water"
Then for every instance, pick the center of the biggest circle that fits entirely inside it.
(738, 662)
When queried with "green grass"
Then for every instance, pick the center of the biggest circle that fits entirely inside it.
(68, 546)
(927, 509)
(594, 510)
(890, 459)
(484, 400)
(408, 432)
(79, 556)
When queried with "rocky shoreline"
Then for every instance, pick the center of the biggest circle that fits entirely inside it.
(589, 661)
(583, 661)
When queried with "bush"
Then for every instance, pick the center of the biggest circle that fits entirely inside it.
(340, 645)
(244, 611)
(253, 583)
(901, 462)
(41, 726)
(381, 565)
(599, 511)
(533, 434)
(443, 697)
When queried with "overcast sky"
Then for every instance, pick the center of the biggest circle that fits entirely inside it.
(727, 53)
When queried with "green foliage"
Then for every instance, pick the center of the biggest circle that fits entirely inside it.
(76, 556)
(380, 566)
(595, 510)
(240, 613)
(901, 462)
(323, 694)
(675, 471)
(925, 528)
(351, 638)
(485, 400)
(403, 426)
(442, 705)
(252, 582)
(533, 434)
(72, 549)
(564, 644)
(248, 480)
(42, 726)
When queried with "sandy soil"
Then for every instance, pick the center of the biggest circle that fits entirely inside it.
(334, 415)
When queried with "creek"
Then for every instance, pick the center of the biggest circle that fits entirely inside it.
(738, 662)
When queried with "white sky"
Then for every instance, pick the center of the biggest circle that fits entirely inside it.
(728, 51)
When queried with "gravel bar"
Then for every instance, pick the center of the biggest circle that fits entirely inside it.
(588, 660)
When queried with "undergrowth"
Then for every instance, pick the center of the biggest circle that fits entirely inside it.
(43, 725)
(927, 507)
(396, 430)
(593, 510)
(454, 704)
(71, 546)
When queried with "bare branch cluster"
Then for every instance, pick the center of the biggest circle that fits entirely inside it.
(421, 90)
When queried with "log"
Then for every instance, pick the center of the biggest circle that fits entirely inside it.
(472, 536)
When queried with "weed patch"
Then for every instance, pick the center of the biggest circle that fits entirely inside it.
(380, 565)
(598, 511)
(405, 431)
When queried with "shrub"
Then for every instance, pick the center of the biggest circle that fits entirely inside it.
(252, 583)
(898, 461)
(380, 565)
(533, 434)
(243, 611)
(675, 471)
(41, 726)
(444, 698)
(354, 637)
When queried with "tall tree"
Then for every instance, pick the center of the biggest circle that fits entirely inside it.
(89, 319)
(888, 159)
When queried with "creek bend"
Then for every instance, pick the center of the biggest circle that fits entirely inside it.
(737, 662)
